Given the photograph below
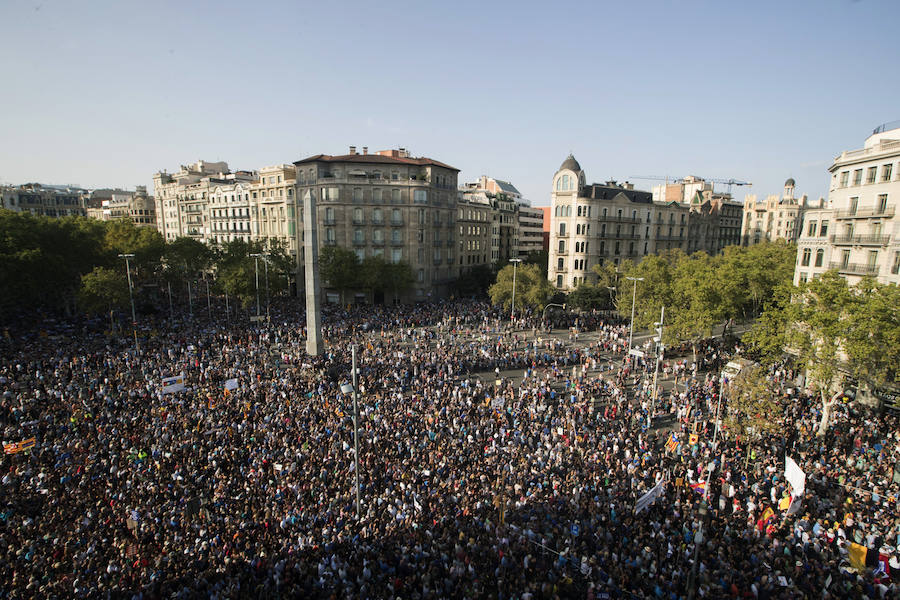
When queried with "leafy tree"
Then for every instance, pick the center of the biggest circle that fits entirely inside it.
(400, 277)
(587, 297)
(532, 289)
(474, 282)
(235, 270)
(697, 305)
(540, 258)
(608, 277)
(767, 338)
(751, 406)
(339, 268)
(146, 243)
(194, 255)
(103, 289)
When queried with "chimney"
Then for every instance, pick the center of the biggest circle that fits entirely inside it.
(352, 149)
(365, 150)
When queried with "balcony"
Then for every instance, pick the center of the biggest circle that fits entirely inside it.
(861, 240)
(378, 243)
(397, 222)
(359, 221)
(359, 242)
(626, 236)
(378, 222)
(865, 213)
(329, 222)
(437, 261)
(396, 243)
(612, 219)
(854, 268)
(330, 242)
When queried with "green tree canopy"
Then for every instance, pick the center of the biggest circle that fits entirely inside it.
(339, 268)
(532, 288)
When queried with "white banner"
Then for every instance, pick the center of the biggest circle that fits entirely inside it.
(648, 498)
(170, 385)
(795, 476)
(231, 384)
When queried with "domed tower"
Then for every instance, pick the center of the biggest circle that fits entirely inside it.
(566, 224)
(789, 188)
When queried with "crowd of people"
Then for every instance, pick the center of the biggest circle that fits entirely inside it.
(474, 482)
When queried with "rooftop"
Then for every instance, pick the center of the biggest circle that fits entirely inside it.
(375, 159)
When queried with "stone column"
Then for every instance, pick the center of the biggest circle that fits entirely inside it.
(311, 273)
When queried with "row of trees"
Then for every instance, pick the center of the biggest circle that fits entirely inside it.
(833, 330)
(73, 264)
(342, 270)
(699, 291)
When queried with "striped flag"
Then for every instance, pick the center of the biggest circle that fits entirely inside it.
(672, 443)
(699, 487)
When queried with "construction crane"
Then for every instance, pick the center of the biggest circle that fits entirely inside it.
(728, 182)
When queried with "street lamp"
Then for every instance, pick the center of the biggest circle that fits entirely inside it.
(128, 258)
(633, 297)
(512, 312)
(345, 388)
(255, 258)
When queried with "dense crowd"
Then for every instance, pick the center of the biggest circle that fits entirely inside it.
(474, 483)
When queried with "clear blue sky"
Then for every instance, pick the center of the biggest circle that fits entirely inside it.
(107, 93)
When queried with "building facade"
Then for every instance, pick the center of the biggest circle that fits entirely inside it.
(388, 204)
(44, 200)
(594, 223)
(113, 204)
(857, 233)
(474, 221)
(517, 228)
(775, 218)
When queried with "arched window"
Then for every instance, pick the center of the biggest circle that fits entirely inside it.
(820, 256)
(559, 264)
(568, 211)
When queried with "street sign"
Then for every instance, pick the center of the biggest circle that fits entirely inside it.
(635, 352)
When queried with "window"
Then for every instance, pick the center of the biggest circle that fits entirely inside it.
(845, 258)
(330, 193)
(870, 174)
(803, 278)
(376, 195)
(854, 204)
(357, 215)
(378, 236)
(886, 171)
(396, 235)
(804, 262)
(559, 264)
(559, 281)
(857, 177)
(329, 215)
(395, 175)
(358, 236)
(396, 255)
(823, 230)
(395, 196)
(562, 229)
(395, 216)
(562, 246)
(882, 203)
(872, 260)
(811, 231)
(377, 217)
(360, 253)
(329, 234)
(421, 275)
(820, 256)
(895, 267)
(420, 196)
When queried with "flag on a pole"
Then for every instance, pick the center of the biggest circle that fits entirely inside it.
(699, 487)
(672, 443)
(795, 476)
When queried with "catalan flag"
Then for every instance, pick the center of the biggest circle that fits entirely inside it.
(672, 443)
(27, 444)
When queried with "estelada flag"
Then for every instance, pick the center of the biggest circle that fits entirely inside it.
(672, 443)
(27, 444)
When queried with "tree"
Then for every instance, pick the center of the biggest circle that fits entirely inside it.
(235, 270)
(767, 338)
(608, 277)
(103, 289)
(474, 282)
(696, 305)
(540, 258)
(872, 343)
(399, 277)
(588, 297)
(339, 268)
(146, 243)
(532, 289)
(752, 407)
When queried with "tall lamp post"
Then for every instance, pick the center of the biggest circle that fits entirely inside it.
(266, 263)
(512, 312)
(255, 258)
(128, 258)
(633, 297)
(352, 388)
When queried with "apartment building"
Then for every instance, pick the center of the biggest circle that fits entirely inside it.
(44, 200)
(593, 223)
(776, 217)
(388, 204)
(112, 204)
(517, 228)
(857, 233)
(474, 221)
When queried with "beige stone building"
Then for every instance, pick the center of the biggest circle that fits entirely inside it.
(474, 221)
(388, 204)
(775, 218)
(516, 228)
(112, 204)
(857, 233)
(594, 223)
